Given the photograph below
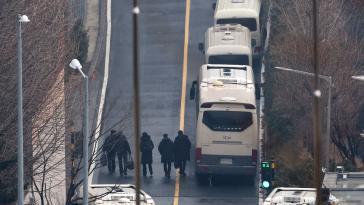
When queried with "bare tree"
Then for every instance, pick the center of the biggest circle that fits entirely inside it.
(289, 108)
(95, 145)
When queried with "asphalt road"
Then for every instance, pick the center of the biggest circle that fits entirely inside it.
(161, 58)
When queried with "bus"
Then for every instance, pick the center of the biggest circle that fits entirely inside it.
(227, 131)
(228, 44)
(245, 13)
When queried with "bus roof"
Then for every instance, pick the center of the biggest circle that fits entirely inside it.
(237, 9)
(228, 94)
(282, 195)
(227, 84)
(228, 39)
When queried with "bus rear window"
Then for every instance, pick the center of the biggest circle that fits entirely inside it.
(229, 59)
(228, 121)
(250, 23)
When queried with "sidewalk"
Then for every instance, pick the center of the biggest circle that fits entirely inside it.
(91, 25)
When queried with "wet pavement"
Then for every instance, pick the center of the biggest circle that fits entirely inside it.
(161, 57)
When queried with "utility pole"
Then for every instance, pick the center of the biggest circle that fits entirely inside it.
(316, 102)
(136, 12)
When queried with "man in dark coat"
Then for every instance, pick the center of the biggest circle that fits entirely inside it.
(165, 148)
(182, 146)
(122, 151)
(110, 149)
(146, 147)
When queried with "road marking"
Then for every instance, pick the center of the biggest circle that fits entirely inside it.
(184, 71)
(176, 189)
(104, 83)
(183, 92)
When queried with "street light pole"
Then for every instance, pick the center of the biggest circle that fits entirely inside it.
(326, 141)
(75, 64)
(85, 145)
(21, 19)
(328, 127)
(360, 78)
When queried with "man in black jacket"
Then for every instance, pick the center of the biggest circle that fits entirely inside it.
(110, 149)
(122, 150)
(182, 146)
(146, 147)
(165, 148)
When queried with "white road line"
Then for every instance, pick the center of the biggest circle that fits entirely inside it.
(104, 83)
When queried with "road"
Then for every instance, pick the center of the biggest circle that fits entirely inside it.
(162, 25)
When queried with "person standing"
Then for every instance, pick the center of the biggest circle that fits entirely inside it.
(110, 148)
(182, 146)
(146, 147)
(165, 148)
(122, 151)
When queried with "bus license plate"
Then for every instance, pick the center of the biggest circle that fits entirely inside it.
(226, 161)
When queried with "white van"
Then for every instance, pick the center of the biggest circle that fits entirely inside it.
(243, 12)
(227, 132)
(228, 44)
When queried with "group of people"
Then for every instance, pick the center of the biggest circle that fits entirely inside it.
(177, 152)
(116, 144)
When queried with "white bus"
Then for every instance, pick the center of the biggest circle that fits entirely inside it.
(228, 44)
(243, 12)
(227, 132)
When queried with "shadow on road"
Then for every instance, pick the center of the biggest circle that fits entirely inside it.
(224, 181)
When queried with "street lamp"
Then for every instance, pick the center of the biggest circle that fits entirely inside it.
(328, 79)
(75, 64)
(21, 19)
(360, 78)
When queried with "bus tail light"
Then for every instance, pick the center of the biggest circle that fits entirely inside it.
(198, 154)
(254, 156)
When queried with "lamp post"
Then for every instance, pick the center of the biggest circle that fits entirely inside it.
(328, 79)
(360, 78)
(75, 64)
(21, 19)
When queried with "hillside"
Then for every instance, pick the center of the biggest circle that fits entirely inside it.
(46, 50)
(289, 95)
